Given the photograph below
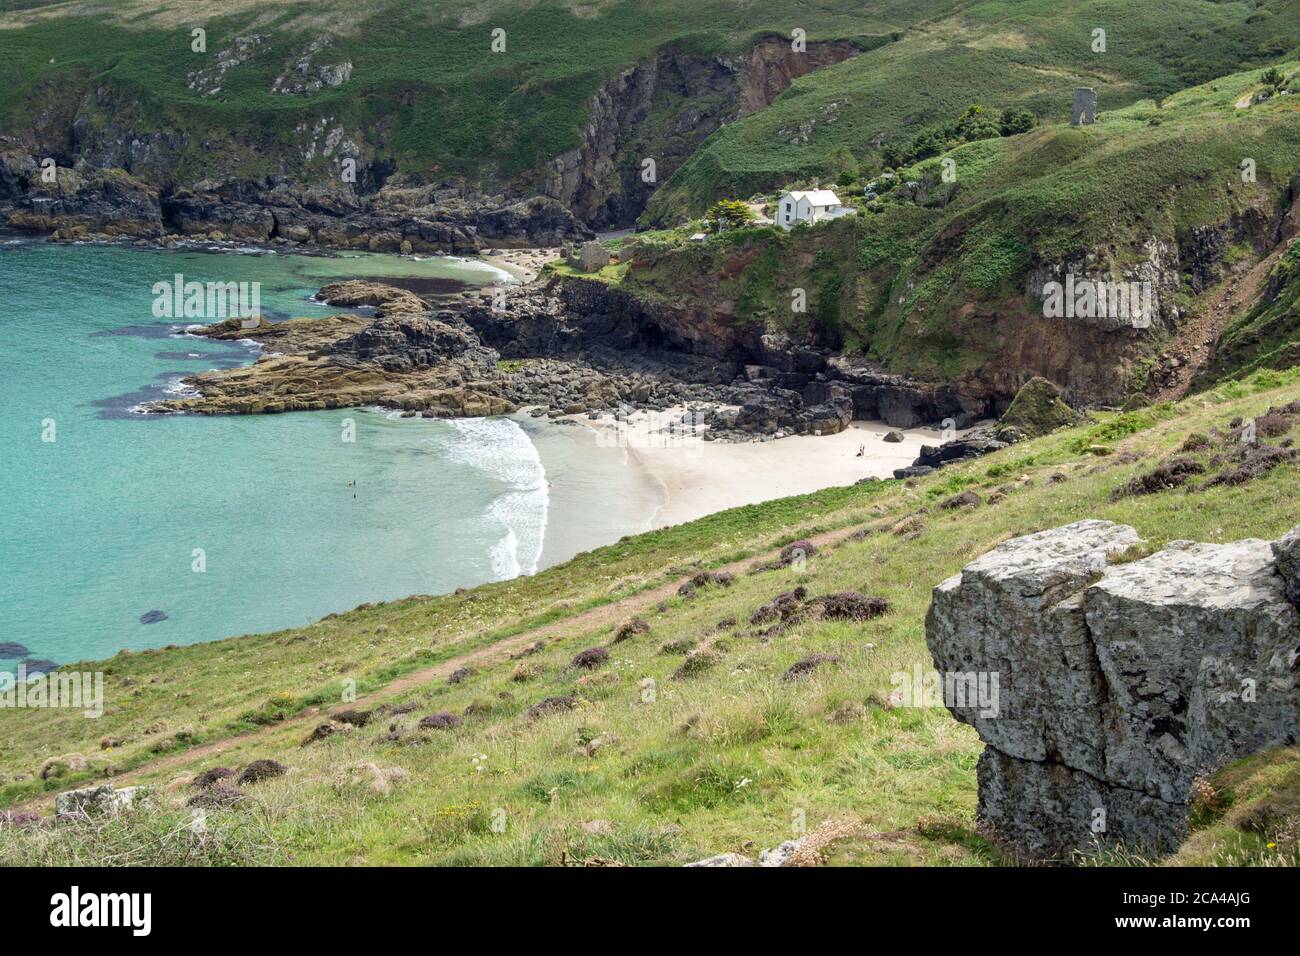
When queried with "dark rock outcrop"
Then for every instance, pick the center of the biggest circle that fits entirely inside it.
(903, 403)
(79, 203)
(976, 442)
(103, 202)
(679, 355)
(571, 346)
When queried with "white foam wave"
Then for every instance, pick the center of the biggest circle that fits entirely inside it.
(502, 450)
(505, 558)
(177, 388)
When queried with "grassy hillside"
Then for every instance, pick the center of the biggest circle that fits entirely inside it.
(426, 89)
(1268, 335)
(933, 280)
(428, 96)
(664, 757)
(1026, 54)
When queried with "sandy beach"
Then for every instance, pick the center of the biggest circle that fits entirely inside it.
(694, 477)
(701, 477)
(523, 264)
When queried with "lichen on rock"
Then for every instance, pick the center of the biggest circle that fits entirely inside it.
(1116, 684)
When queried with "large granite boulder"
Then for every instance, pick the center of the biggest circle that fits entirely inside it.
(1037, 409)
(1116, 684)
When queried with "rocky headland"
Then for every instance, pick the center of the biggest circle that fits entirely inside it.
(110, 204)
(562, 346)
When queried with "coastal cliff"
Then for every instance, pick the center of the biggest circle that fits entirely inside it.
(331, 183)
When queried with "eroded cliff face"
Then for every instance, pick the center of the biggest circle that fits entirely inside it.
(1099, 354)
(662, 110)
(913, 316)
(87, 202)
(328, 182)
(1101, 360)
(1118, 684)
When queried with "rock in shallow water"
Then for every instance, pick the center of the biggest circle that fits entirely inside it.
(153, 617)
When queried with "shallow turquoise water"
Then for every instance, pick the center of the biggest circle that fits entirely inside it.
(102, 524)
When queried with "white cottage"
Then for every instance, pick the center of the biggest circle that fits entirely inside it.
(812, 205)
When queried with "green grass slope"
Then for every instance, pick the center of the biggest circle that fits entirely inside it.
(426, 89)
(1026, 54)
(934, 280)
(665, 757)
(429, 96)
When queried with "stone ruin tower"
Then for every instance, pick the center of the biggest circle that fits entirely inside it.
(1085, 107)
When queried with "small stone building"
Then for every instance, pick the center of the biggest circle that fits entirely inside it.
(590, 257)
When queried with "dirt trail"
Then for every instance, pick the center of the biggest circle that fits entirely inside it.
(589, 620)
(1194, 346)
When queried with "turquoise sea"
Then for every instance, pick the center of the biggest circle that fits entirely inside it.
(232, 525)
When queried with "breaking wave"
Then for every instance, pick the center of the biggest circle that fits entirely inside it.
(502, 450)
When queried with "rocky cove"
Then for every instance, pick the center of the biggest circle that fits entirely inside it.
(562, 346)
